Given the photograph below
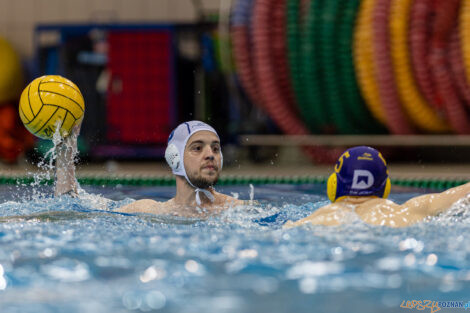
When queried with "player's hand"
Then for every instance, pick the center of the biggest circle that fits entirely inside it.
(75, 132)
(71, 140)
(76, 129)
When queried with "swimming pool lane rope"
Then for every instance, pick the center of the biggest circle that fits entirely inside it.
(275, 102)
(242, 50)
(354, 104)
(445, 21)
(279, 55)
(265, 72)
(294, 53)
(394, 45)
(418, 110)
(314, 105)
(161, 181)
(363, 60)
(420, 23)
(329, 69)
(397, 121)
(458, 67)
(464, 27)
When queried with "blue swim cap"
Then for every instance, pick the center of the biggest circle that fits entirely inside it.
(359, 171)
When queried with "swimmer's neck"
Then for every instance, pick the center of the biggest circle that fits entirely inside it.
(186, 195)
(354, 199)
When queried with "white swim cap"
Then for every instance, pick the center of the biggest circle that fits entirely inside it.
(174, 153)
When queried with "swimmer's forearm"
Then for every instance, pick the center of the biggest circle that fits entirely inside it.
(446, 199)
(65, 171)
(433, 204)
(65, 181)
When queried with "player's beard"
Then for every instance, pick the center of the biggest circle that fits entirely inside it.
(203, 182)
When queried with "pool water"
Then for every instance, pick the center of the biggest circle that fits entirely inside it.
(77, 255)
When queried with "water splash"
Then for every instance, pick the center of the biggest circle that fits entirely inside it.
(252, 193)
(241, 258)
(459, 213)
(46, 169)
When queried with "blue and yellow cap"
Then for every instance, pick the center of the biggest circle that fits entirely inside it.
(359, 171)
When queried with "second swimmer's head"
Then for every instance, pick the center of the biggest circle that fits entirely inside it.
(359, 171)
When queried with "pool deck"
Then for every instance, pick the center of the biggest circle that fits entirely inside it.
(158, 169)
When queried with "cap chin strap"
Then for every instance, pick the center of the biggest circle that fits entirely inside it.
(198, 190)
(206, 192)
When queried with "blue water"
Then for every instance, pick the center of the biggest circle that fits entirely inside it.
(77, 255)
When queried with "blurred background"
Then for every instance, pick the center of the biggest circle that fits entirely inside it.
(285, 82)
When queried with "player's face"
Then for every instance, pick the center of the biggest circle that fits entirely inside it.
(202, 159)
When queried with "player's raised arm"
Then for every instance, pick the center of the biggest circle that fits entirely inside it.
(66, 151)
(435, 203)
(52, 107)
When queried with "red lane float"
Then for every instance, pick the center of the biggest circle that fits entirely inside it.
(458, 67)
(444, 22)
(266, 72)
(279, 55)
(242, 52)
(420, 22)
(397, 121)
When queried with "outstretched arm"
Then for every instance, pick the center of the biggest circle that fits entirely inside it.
(65, 181)
(433, 204)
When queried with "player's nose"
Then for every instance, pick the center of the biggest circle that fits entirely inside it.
(209, 153)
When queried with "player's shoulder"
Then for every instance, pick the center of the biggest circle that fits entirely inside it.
(149, 203)
(143, 206)
(381, 204)
(229, 199)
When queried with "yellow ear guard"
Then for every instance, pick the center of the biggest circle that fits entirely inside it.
(331, 186)
(388, 187)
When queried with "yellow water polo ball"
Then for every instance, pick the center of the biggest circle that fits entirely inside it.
(49, 103)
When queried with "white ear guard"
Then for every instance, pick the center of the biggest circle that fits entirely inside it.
(172, 156)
